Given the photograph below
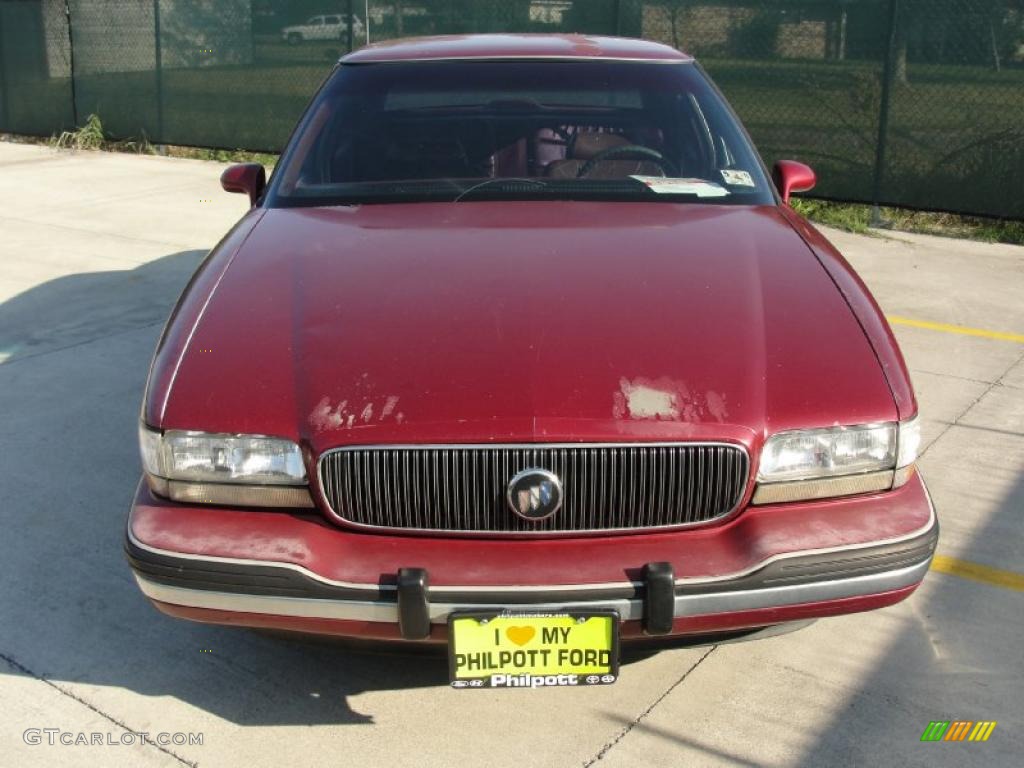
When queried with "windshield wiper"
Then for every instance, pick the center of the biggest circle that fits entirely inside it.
(512, 181)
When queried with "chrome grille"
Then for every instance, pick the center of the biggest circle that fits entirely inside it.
(462, 488)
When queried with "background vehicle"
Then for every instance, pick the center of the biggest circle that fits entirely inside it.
(324, 27)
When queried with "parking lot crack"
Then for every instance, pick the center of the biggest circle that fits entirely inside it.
(956, 421)
(19, 667)
(639, 718)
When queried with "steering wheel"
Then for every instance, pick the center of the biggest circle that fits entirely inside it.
(627, 149)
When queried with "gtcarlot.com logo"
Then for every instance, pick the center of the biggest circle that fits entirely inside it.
(56, 736)
(958, 730)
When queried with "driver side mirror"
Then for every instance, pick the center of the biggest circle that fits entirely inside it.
(249, 178)
(791, 176)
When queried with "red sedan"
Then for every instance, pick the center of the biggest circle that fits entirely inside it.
(522, 350)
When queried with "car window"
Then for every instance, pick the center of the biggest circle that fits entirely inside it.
(485, 129)
(333, 20)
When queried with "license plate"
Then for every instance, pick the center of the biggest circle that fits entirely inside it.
(533, 650)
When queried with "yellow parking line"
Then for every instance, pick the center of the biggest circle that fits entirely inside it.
(961, 329)
(965, 569)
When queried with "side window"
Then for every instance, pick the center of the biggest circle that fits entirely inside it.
(333, 20)
(318, 21)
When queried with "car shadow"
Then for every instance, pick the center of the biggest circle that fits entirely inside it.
(79, 308)
(76, 352)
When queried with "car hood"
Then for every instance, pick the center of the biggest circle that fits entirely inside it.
(518, 321)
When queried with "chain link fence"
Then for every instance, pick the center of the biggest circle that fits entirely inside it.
(918, 103)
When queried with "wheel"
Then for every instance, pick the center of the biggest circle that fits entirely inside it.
(646, 153)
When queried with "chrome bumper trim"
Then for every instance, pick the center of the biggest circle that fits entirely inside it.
(685, 605)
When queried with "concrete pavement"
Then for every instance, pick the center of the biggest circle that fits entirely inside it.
(95, 248)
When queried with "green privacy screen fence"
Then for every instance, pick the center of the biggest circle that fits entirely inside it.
(906, 102)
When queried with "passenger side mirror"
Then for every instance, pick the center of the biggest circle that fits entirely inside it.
(791, 176)
(249, 178)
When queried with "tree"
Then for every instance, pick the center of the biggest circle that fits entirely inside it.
(675, 10)
(982, 32)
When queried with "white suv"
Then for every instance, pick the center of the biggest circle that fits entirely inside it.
(328, 27)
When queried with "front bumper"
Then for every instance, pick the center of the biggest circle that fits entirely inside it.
(768, 566)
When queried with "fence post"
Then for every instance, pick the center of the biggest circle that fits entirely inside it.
(71, 65)
(159, 73)
(883, 117)
(5, 116)
(351, 41)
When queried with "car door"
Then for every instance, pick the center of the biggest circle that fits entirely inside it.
(333, 27)
(316, 29)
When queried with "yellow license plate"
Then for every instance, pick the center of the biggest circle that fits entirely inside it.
(533, 650)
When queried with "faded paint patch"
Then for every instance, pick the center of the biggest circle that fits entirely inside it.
(326, 416)
(647, 399)
(647, 402)
(619, 409)
(250, 547)
(716, 406)
(665, 399)
(389, 407)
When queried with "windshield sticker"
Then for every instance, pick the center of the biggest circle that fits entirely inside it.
(738, 178)
(668, 186)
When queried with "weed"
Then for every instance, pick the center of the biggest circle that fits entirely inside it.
(92, 136)
(88, 136)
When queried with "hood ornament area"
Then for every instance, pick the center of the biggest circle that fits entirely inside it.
(535, 494)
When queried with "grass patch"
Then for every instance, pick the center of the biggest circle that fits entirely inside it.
(224, 155)
(91, 135)
(853, 217)
(845, 216)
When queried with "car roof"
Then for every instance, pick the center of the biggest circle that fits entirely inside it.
(525, 46)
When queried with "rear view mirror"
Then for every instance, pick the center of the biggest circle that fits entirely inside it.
(791, 176)
(249, 178)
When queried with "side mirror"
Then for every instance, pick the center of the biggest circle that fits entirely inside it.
(249, 178)
(791, 176)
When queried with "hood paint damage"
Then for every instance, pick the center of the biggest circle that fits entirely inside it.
(517, 322)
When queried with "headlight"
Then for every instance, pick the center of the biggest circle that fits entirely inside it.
(906, 453)
(837, 461)
(206, 468)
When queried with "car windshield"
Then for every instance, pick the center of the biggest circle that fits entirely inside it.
(478, 130)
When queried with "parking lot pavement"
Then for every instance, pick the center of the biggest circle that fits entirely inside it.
(96, 247)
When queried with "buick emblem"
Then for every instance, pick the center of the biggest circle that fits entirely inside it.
(535, 494)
